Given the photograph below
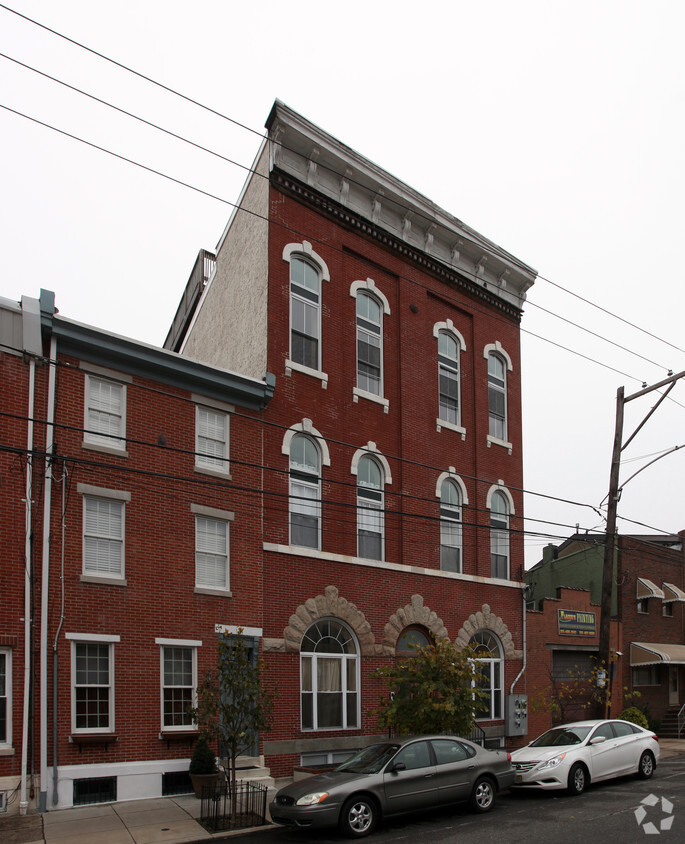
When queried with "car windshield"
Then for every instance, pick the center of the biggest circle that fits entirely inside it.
(369, 760)
(561, 737)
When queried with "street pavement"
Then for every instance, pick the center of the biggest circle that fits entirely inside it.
(164, 820)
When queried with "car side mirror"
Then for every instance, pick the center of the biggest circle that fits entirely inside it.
(399, 766)
(598, 739)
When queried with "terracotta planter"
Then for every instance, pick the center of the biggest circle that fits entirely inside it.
(199, 781)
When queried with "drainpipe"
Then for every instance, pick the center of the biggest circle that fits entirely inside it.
(524, 591)
(32, 345)
(45, 575)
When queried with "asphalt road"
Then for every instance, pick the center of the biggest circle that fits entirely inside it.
(606, 813)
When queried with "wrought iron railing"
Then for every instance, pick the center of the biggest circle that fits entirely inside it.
(681, 719)
(228, 806)
(477, 735)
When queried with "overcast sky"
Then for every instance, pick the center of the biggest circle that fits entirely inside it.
(556, 129)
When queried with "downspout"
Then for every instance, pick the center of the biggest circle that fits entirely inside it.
(524, 591)
(55, 663)
(45, 574)
(23, 802)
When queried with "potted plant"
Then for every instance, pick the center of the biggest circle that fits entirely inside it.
(203, 770)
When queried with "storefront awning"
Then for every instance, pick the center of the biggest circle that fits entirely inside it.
(647, 589)
(648, 653)
(672, 592)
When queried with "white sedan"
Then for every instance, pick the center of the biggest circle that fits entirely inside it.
(572, 756)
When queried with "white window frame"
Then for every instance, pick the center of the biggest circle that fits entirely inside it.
(215, 461)
(219, 517)
(304, 252)
(500, 528)
(95, 436)
(495, 673)
(305, 492)
(368, 288)
(492, 351)
(447, 328)
(186, 645)
(113, 497)
(104, 641)
(344, 658)
(371, 509)
(6, 695)
(451, 524)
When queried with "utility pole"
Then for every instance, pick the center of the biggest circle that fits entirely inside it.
(610, 541)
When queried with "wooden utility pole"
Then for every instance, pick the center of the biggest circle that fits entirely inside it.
(610, 541)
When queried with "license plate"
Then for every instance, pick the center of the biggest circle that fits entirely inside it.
(518, 778)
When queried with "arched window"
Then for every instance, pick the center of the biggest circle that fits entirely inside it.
(411, 639)
(450, 527)
(305, 492)
(305, 313)
(499, 535)
(369, 344)
(329, 671)
(497, 396)
(448, 378)
(370, 503)
(488, 653)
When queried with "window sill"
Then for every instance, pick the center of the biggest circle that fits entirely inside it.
(357, 394)
(215, 473)
(450, 426)
(503, 443)
(105, 449)
(206, 590)
(104, 581)
(93, 740)
(7, 751)
(291, 366)
(178, 735)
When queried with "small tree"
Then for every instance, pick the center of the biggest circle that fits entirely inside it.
(434, 691)
(233, 706)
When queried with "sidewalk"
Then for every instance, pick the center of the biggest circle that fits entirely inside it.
(164, 820)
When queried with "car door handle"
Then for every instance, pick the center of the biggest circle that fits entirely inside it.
(428, 776)
(472, 767)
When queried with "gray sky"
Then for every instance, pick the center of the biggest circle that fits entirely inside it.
(556, 129)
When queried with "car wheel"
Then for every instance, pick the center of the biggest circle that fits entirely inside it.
(577, 779)
(358, 817)
(646, 767)
(483, 795)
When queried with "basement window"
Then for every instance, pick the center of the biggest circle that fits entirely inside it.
(95, 790)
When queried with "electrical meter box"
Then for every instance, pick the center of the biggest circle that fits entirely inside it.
(516, 713)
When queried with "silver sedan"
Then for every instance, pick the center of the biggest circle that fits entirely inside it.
(393, 778)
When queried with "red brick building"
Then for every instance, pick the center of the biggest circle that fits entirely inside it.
(392, 490)
(143, 470)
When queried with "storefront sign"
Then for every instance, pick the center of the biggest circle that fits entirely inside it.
(576, 623)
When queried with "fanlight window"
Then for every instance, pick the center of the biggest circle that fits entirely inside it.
(329, 664)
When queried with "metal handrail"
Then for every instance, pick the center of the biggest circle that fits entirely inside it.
(681, 719)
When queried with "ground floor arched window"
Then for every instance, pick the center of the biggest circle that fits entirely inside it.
(488, 651)
(329, 677)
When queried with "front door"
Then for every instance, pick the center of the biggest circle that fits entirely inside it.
(673, 691)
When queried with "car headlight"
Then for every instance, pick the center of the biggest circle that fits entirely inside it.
(312, 799)
(552, 763)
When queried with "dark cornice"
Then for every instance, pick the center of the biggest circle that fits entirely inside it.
(307, 195)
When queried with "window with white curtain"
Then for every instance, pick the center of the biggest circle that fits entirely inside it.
(488, 654)
(105, 413)
(211, 439)
(305, 492)
(211, 553)
(329, 677)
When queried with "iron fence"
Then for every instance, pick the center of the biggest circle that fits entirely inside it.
(228, 806)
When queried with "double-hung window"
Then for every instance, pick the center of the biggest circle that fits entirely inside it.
(450, 527)
(497, 396)
(305, 313)
(488, 656)
(105, 413)
(499, 535)
(448, 378)
(179, 683)
(211, 548)
(370, 504)
(211, 439)
(329, 677)
(5, 697)
(103, 532)
(92, 673)
(369, 344)
(305, 493)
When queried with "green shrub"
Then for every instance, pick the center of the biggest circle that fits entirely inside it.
(635, 716)
(203, 760)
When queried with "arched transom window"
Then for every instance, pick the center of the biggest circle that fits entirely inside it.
(329, 669)
(305, 492)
